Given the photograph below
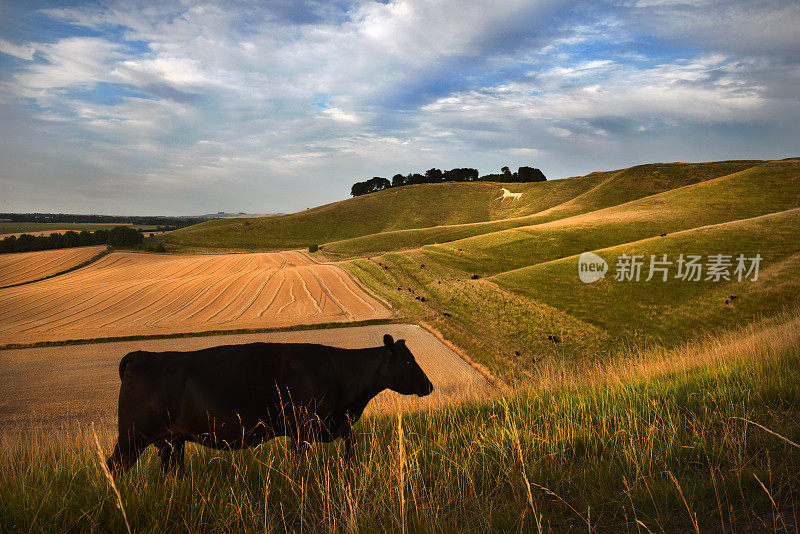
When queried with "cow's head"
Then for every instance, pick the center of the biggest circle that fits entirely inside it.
(402, 373)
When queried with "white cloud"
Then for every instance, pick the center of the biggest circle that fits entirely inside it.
(560, 132)
(339, 115)
(21, 51)
(524, 152)
(71, 62)
(680, 91)
(173, 71)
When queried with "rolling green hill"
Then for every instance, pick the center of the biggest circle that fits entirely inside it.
(416, 215)
(507, 322)
(610, 188)
(412, 206)
(766, 188)
(674, 310)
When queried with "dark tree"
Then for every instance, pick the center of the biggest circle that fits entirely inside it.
(56, 241)
(72, 239)
(529, 174)
(99, 237)
(9, 244)
(433, 176)
(85, 238)
(461, 175)
(398, 180)
(373, 184)
(122, 236)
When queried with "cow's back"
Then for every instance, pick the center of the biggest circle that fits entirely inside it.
(220, 385)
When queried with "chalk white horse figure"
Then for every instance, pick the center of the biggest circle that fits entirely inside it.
(508, 194)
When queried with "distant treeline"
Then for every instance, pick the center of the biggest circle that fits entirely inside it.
(436, 176)
(171, 222)
(119, 236)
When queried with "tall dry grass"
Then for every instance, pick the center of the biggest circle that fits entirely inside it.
(702, 438)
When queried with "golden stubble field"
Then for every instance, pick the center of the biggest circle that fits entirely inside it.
(25, 267)
(127, 293)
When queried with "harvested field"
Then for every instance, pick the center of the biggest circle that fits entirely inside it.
(80, 383)
(127, 293)
(22, 267)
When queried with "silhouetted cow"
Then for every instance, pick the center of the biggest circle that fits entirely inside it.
(237, 396)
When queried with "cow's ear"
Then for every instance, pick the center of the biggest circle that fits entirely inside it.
(388, 343)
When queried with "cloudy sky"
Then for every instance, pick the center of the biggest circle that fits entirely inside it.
(141, 107)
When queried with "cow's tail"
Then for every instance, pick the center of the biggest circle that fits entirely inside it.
(125, 361)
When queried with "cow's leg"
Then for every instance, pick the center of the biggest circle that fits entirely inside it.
(349, 442)
(125, 454)
(171, 452)
(178, 445)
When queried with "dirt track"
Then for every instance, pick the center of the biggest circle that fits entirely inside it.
(55, 385)
(143, 294)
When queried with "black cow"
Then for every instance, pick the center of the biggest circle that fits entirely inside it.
(237, 396)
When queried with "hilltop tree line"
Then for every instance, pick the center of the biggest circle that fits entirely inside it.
(436, 176)
(119, 236)
(164, 221)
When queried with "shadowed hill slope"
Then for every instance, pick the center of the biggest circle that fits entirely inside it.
(640, 181)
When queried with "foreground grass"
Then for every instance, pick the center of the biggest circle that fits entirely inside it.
(657, 441)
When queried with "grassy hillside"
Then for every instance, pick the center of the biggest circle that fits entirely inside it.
(766, 188)
(412, 216)
(611, 189)
(644, 180)
(675, 311)
(413, 206)
(507, 321)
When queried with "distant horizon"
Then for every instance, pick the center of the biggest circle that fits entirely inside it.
(265, 214)
(180, 106)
